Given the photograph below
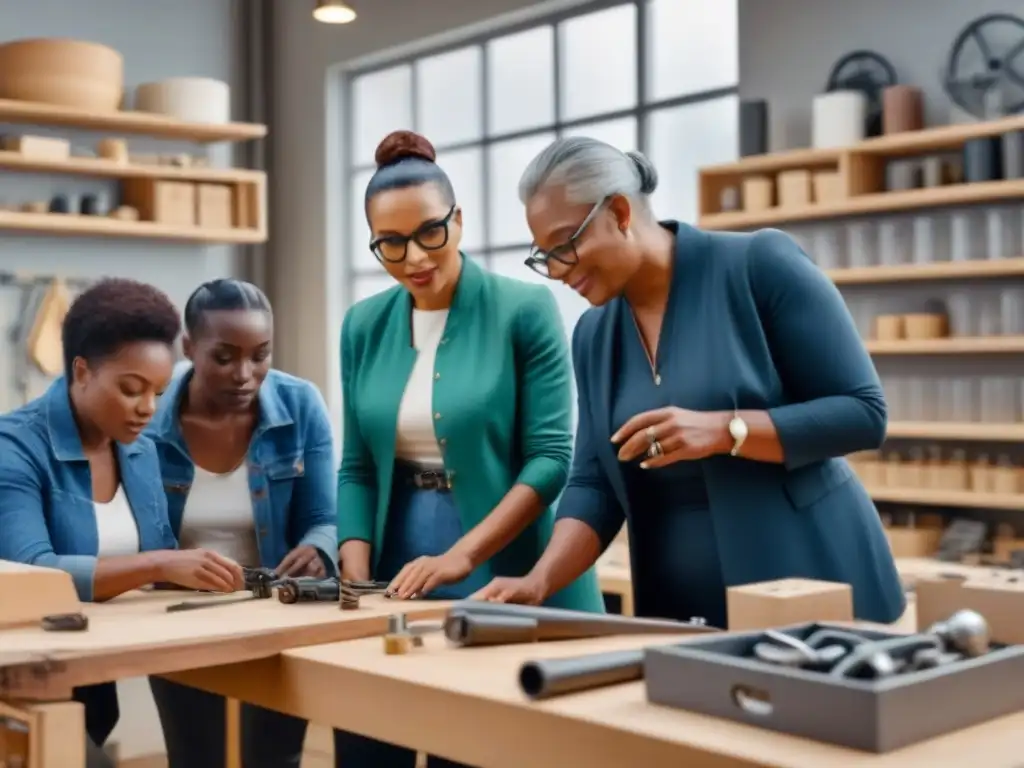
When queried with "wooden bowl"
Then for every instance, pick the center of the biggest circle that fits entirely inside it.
(68, 73)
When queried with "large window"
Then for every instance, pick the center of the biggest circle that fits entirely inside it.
(656, 75)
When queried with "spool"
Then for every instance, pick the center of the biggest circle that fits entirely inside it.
(1013, 155)
(753, 127)
(983, 159)
(838, 119)
(902, 109)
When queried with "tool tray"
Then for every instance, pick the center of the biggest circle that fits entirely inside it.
(718, 676)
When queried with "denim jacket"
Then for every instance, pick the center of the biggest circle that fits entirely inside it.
(291, 467)
(47, 516)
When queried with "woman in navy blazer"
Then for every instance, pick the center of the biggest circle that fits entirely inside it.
(720, 380)
(80, 486)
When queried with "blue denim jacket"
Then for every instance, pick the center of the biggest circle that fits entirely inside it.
(47, 516)
(291, 467)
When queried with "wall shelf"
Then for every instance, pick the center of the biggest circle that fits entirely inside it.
(861, 177)
(940, 270)
(965, 431)
(100, 226)
(95, 166)
(966, 345)
(930, 497)
(135, 123)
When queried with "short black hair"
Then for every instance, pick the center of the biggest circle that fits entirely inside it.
(112, 313)
(407, 159)
(222, 295)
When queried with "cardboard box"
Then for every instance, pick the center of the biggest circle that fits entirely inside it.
(998, 595)
(780, 603)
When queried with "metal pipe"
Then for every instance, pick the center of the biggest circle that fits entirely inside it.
(544, 678)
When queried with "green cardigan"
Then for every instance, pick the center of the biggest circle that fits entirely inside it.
(502, 401)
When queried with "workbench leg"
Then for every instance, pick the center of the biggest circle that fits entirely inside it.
(50, 735)
(233, 734)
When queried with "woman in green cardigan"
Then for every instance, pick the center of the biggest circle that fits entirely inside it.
(457, 413)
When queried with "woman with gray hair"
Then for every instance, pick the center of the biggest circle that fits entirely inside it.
(720, 380)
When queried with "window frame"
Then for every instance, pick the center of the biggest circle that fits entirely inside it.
(641, 112)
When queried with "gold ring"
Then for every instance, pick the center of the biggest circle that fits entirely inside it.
(652, 436)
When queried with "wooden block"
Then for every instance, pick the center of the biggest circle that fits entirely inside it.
(997, 595)
(214, 206)
(788, 601)
(758, 193)
(113, 149)
(28, 593)
(164, 202)
(125, 213)
(913, 542)
(828, 187)
(795, 189)
(38, 147)
(246, 206)
(889, 327)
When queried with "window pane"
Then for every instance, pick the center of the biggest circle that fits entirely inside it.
(382, 103)
(521, 81)
(599, 61)
(684, 139)
(693, 46)
(365, 286)
(507, 160)
(620, 133)
(448, 108)
(465, 168)
(359, 256)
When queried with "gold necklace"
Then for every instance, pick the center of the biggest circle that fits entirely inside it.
(650, 358)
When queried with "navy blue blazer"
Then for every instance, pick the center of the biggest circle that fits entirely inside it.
(770, 332)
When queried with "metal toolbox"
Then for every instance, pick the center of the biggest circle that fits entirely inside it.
(718, 676)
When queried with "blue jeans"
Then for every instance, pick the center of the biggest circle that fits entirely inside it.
(419, 523)
(194, 722)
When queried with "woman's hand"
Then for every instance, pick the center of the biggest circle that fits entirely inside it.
(304, 560)
(525, 591)
(672, 434)
(424, 574)
(200, 569)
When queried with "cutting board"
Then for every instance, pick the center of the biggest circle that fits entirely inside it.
(45, 347)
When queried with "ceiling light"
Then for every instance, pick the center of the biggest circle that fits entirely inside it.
(334, 12)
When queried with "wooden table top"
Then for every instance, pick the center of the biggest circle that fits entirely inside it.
(465, 704)
(135, 635)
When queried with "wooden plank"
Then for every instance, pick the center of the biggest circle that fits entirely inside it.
(424, 692)
(100, 226)
(957, 345)
(137, 123)
(939, 270)
(954, 430)
(98, 166)
(134, 636)
(1013, 502)
(933, 197)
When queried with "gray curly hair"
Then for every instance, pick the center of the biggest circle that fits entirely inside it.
(590, 170)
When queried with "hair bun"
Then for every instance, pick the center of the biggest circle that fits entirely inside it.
(646, 170)
(402, 144)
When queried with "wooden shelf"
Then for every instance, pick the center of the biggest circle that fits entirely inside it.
(100, 226)
(966, 345)
(135, 123)
(91, 166)
(941, 270)
(881, 202)
(966, 431)
(931, 497)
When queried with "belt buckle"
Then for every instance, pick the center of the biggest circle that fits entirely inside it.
(432, 480)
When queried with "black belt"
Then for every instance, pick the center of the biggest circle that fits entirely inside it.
(429, 479)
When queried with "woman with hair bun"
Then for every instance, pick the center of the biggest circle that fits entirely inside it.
(721, 380)
(457, 413)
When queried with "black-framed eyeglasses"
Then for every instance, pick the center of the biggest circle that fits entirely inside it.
(565, 254)
(430, 236)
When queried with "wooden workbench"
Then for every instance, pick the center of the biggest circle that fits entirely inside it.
(464, 704)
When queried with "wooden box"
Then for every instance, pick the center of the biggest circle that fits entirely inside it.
(795, 189)
(828, 187)
(758, 193)
(214, 206)
(788, 601)
(163, 202)
(38, 147)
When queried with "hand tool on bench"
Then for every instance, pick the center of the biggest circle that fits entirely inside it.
(260, 588)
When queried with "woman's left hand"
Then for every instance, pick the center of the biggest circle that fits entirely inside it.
(304, 560)
(672, 434)
(424, 574)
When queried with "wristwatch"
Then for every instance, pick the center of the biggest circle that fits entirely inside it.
(739, 431)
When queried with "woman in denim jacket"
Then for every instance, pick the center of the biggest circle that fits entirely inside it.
(79, 485)
(247, 459)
